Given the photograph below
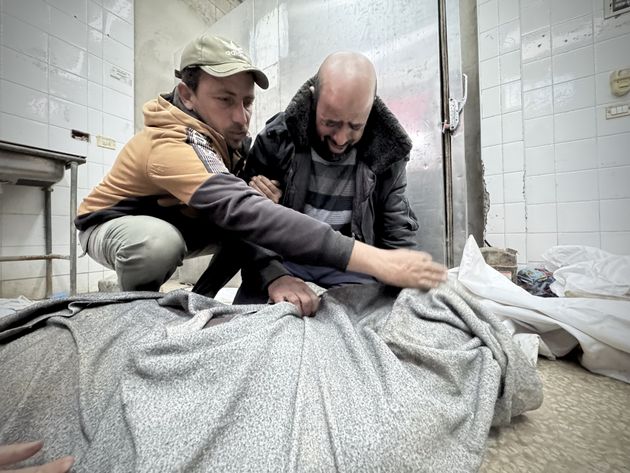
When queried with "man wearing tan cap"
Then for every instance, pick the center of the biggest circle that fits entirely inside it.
(172, 192)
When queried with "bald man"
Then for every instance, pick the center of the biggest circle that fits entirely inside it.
(338, 155)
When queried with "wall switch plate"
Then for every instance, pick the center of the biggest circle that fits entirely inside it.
(616, 111)
(105, 142)
(615, 7)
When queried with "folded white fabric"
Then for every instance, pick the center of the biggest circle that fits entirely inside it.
(600, 326)
(584, 271)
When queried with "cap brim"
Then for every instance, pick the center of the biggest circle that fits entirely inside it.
(229, 69)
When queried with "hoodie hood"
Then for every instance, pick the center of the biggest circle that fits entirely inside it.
(384, 140)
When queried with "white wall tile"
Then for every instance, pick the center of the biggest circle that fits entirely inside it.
(24, 70)
(517, 241)
(578, 217)
(536, 45)
(513, 187)
(489, 44)
(68, 57)
(95, 174)
(535, 14)
(573, 64)
(614, 183)
(509, 37)
(538, 102)
(513, 156)
(22, 101)
(539, 160)
(510, 65)
(118, 29)
(490, 102)
(67, 114)
(95, 15)
(117, 54)
(574, 95)
(117, 128)
(65, 85)
(508, 10)
(615, 215)
(511, 97)
(488, 15)
(541, 218)
(117, 104)
(496, 239)
(118, 79)
(538, 243)
(575, 125)
(122, 8)
(512, 126)
(610, 27)
(572, 34)
(562, 10)
(24, 269)
(22, 230)
(538, 131)
(60, 201)
(95, 69)
(492, 158)
(33, 12)
(23, 37)
(578, 238)
(491, 131)
(611, 126)
(612, 150)
(494, 186)
(537, 74)
(95, 42)
(24, 200)
(74, 8)
(616, 242)
(22, 130)
(95, 122)
(612, 54)
(33, 289)
(540, 189)
(60, 139)
(496, 219)
(515, 217)
(576, 155)
(71, 29)
(95, 96)
(577, 186)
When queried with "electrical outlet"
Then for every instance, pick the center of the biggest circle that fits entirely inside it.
(105, 142)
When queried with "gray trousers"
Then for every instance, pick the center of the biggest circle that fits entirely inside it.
(144, 251)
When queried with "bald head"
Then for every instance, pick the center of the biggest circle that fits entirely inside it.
(344, 91)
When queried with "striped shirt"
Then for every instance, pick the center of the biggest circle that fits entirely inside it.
(331, 190)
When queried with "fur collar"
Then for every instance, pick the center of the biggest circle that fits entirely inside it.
(383, 143)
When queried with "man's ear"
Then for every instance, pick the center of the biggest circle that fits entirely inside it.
(185, 95)
(312, 89)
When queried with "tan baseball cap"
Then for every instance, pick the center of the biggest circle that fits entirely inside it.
(219, 57)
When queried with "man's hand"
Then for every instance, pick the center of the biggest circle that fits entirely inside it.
(16, 452)
(296, 291)
(402, 267)
(267, 187)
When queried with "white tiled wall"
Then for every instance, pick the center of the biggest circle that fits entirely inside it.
(64, 65)
(557, 171)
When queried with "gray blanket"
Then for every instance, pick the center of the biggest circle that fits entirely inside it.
(377, 381)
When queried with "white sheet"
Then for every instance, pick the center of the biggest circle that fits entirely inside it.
(600, 326)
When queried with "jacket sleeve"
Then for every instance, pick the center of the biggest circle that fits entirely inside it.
(271, 153)
(235, 207)
(396, 224)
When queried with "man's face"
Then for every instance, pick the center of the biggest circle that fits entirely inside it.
(225, 103)
(341, 118)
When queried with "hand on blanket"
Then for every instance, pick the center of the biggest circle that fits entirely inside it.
(401, 267)
(296, 291)
(16, 452)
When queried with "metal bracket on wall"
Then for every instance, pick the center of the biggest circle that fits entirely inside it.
(455, 107)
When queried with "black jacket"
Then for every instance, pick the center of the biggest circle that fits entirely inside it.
(381, 215)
